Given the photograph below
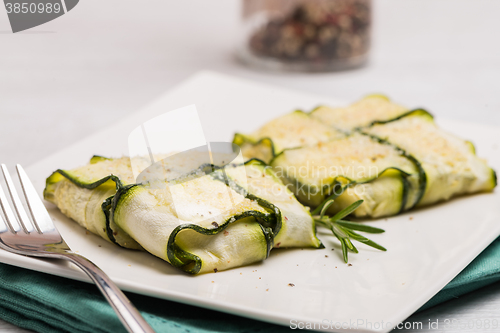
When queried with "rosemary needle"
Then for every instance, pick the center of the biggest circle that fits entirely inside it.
(344, 230)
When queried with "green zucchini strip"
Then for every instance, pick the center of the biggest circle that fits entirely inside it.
(98, 158)
(88, 200)
(417, 181)
(295, 129)
(262, 149)
(359, 114)
(450, 165)
(192, 263)
(378, 173)
(297, 225)
(366, 112)
(203, 231)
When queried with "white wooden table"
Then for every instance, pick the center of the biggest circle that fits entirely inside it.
(105, 59)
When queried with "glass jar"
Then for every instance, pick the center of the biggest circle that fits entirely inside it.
(306, 35)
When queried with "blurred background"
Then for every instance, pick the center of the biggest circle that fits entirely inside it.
(105, 59)
(73, 76)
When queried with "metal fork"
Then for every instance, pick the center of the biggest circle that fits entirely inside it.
(41, 239)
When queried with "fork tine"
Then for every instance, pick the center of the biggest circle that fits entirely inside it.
(41, 217)
(21, 213)
(3, 222)
(15, 223)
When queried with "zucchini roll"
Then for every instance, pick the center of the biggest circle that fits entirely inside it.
(338, 149)
(316, 160)
(450, 163)
(212, 218)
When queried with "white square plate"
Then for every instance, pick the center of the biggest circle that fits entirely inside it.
(426, 247)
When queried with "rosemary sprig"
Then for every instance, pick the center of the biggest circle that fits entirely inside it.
(344, 230)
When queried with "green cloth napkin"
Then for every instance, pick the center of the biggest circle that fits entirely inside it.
(46, 303)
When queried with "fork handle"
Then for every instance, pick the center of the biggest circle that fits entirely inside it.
(126, 311)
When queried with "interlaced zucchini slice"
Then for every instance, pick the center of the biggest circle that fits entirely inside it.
(201, 230)
(359, 114)
(295, 129)
(297, 224)
(370, 169)
(86, 195)
(450, 163)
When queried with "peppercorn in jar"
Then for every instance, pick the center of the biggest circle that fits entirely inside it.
(306, 35)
